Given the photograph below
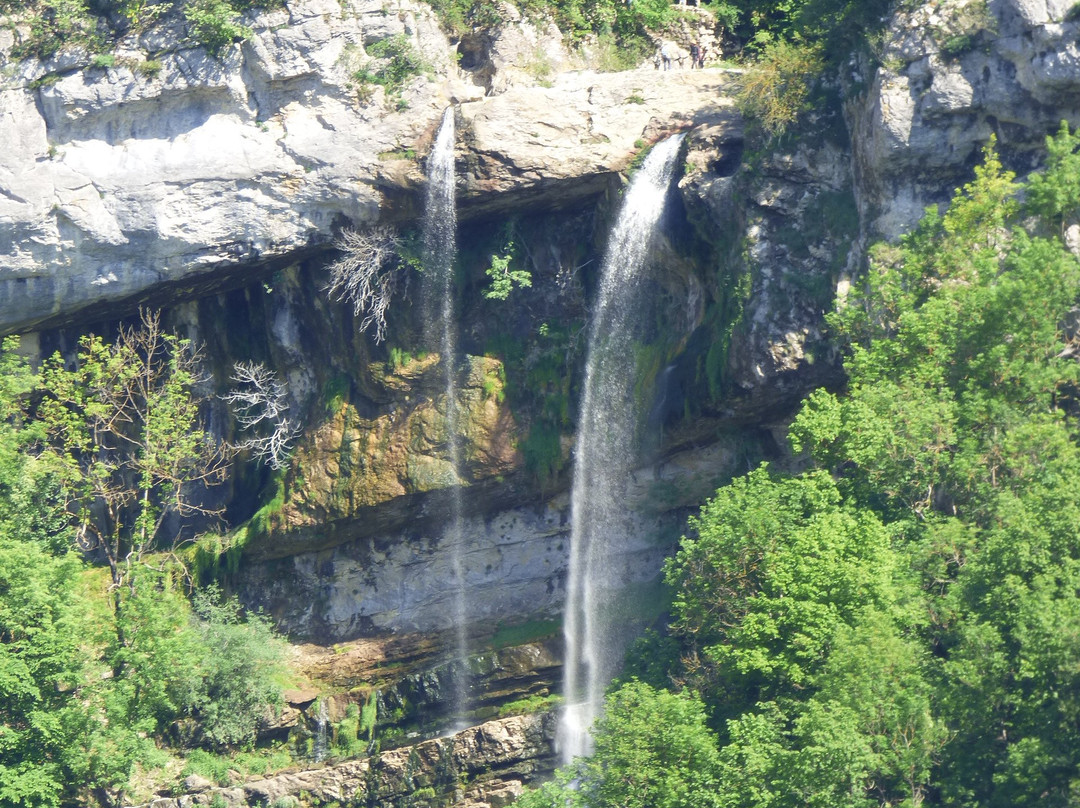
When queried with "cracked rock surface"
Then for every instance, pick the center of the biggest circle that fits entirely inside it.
(173, 165)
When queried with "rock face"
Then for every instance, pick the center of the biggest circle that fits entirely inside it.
(350, 463)
(955, 73)
(783, 234)
(514, 561)
(119, 180)
(544, 146)
(481, 767)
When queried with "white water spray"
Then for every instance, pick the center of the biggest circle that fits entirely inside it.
(604, 456)
(440, 246)
(321, 746)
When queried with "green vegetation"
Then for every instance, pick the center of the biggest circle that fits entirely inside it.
(961, 26)
(348, 740)
(896, 625)
(503, 277)
(94, 24)
(776, 88)
(653, 750)
(401, 153)
(530, 705)
(103, 665)
(396, 62)
(521, 633)
(618, 29)
(215, 24)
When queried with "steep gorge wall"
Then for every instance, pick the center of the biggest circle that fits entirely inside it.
(214, 187)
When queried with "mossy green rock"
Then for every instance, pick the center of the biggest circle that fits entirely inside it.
(350, 463)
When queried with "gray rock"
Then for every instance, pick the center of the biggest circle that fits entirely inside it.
(117, 181)
(113, 181)
(552, 145)
(928, 114)
(195, 783)
(514, 561)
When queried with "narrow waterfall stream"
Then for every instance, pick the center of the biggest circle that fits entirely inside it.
(604, 455)
(440, 246)
(321, 744)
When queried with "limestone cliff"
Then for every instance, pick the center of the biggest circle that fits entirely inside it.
(951, 75)
(173, 166)
(214, 186)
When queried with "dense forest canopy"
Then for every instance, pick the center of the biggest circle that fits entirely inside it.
(898, 625)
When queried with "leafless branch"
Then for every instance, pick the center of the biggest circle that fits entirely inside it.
(367, 275)
(260, 403)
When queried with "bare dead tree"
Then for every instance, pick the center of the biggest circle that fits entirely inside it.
(260, 404)
(367, 275)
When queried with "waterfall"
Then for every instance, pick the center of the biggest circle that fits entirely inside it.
(321, 746)
(604, 455)
(440, 245)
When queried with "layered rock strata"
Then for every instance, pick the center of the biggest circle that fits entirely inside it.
(173, 165)
(481, 767)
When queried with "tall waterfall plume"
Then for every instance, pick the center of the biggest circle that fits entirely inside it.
(440, 247)
(604, 456)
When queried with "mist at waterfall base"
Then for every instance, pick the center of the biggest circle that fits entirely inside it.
(440, 248)
(605, 454)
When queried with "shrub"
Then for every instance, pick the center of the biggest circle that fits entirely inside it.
(215, 24)
(55, 24)
(776, 88)
(244, 658)
(402, 62)
(149, 68)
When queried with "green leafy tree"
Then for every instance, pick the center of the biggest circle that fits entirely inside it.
(653, 750)
(42, 628)
(961, 405)
(503, 277)
(774, 567)
(1053, 195)
(954, 343)
(122, 431)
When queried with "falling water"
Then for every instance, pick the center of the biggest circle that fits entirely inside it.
(321, 746)
(604, 455)
(440, 245)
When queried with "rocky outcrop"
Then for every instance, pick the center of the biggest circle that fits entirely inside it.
(514, 561)
(481, 767)
(553, 146)
(780, 234)
(953, 74)
(173, 166)
(410, 687)
(122, 178)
